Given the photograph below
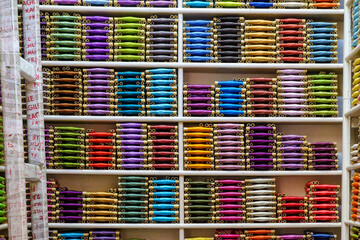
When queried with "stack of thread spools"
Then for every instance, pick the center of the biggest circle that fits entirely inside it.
(134, 194)
(161, 92)
(130, 95)
(230, 98)
(199, 201)
(261, 233)
(165, 41)
(355, 153)
(129, 39)
(261, 150)
(154, 3)
(162, 147)
(2, 158)
(164, 30)
(323, 156)
(323, 202)
(355, 23)
(354, 233)
(198, 40)
(228, 37)
(3, 207)
(132, 142)
(355, 197)
(292, 152)
(199, 100)
(230, 201)
(53, 205)
(131, 3)
(97, 36)
(68, 148)
(163, 194)
(261, 97)
(322, 39)
(198, 147)
(292, 36)
(65, 94)
(100, 150)
(356, 82)
(292, 208)
(292, 97)
(98, 91)
(161, 87)
(260, 193)
(198, 4)
(229, 146)
(323, 93)
(264, 48)
(86, 235)
(223, 234)
(320, 235)
(61, 36)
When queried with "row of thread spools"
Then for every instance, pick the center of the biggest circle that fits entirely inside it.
(197, 3)
(329, 4)
(253, 234)
(224, 39)
(294, 93)
(153, 92)
(130, 146)
(224, 146)
(220, 234)
(230, 146)
(102, 234)
(236, 39)
(140, 199)
(104, 92)
(71, 37)
(256, 201)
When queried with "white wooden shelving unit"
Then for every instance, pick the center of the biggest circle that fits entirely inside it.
(350, 115)
(326, 128)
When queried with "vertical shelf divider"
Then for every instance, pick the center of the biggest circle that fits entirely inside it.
(346, 125)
